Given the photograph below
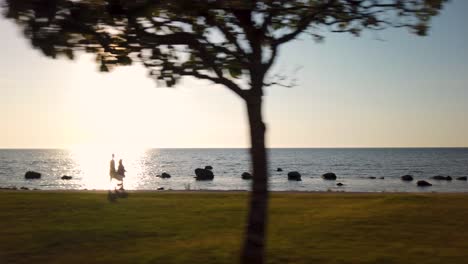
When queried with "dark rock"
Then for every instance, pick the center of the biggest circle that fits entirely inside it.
(32, 175)
(279, 169)
(407, 178)
(372, 177)
(203, 174)
(423, 183)
(65, 177)
(329, 176)
(382, 178)
(160, 189)
(463, 178)
(24, 188)
(442, 178)
(294, 176)
(165, 175)
(246, 176)
(208, 167)
(339, 184)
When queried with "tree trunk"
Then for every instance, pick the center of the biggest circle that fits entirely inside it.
(254, 243)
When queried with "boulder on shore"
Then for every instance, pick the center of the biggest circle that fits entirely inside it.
(279, 169)
(246, 176)
(294, 176)
(329, 176)
(423, 184)
(463, 178)
(406, 178)
(65, 177)
(32, 175)
(203, 174)
(208, 167)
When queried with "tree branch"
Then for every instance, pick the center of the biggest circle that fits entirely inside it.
(219, 80)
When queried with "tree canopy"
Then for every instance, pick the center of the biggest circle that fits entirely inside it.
(221, 41)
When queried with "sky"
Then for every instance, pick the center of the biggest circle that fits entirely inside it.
(384, 89)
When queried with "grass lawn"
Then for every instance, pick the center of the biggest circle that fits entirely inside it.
(199, 227)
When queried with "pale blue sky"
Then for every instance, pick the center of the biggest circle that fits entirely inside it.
(385, 89)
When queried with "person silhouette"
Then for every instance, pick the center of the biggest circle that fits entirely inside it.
(120, 174)
(112, 171)
(121, 170)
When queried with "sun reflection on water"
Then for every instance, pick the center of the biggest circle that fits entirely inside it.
(93, 163)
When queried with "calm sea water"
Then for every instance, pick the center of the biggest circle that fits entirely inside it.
(89, 169)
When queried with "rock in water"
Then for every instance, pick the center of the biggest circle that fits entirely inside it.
(279, 169)
(329, 176)
(32, 175)
(442, 178)
(463, 178)
(246, 176)
(407, 178)
(165, 175)
(208, 167)
(423, 183)
(294, 176)
(372, 177)
(339, 184)
(203, 174)
(65, 177)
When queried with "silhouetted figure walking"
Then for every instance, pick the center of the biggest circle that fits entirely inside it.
(121, 172)
(112, 171)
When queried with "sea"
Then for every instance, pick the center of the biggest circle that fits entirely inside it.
(89, 169)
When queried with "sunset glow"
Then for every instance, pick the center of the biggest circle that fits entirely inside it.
(404, 91)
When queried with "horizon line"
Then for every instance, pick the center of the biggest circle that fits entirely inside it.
(384, 147)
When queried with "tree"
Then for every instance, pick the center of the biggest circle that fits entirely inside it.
(231, 43)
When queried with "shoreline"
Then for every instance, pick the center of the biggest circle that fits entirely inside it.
(229, 192)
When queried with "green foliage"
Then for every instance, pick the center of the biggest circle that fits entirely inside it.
(218, 41)
(83, 227)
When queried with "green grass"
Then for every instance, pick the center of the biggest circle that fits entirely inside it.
(83, 227)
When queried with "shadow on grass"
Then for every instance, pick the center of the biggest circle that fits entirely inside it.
(113, 196)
